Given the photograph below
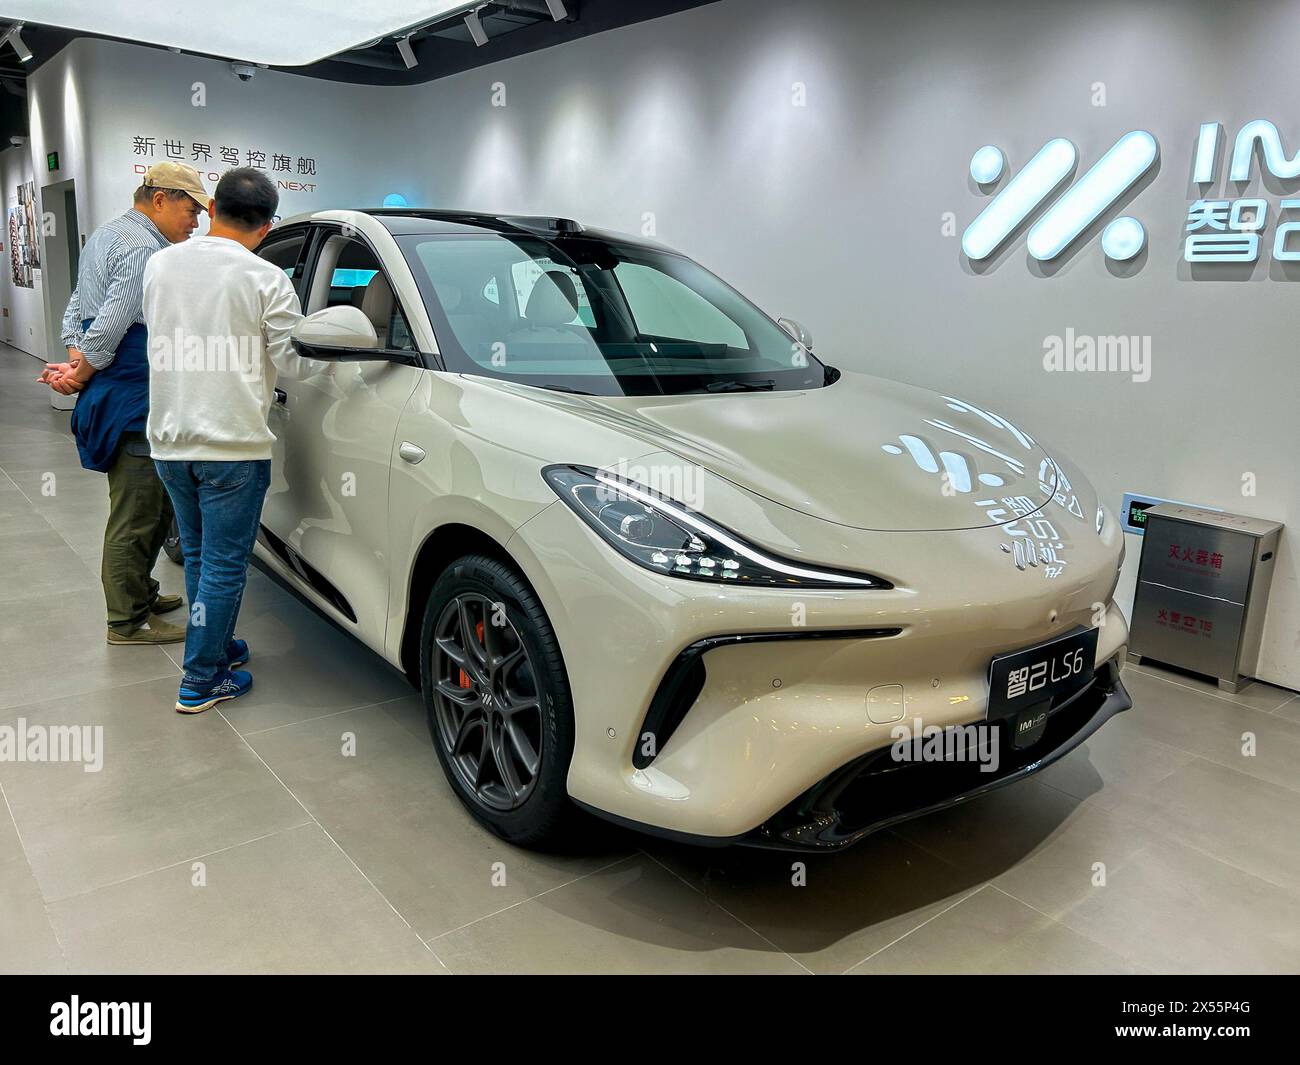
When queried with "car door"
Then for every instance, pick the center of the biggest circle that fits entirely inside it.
(325, 517)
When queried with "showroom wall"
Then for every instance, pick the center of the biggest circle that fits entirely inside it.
(111, 110)
(819, 160)
(24, 315)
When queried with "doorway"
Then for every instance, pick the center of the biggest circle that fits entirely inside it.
(61, 237)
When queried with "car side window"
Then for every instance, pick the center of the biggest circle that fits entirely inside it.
(357, 279)
(288, 254)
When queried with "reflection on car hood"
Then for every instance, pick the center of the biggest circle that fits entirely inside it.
(865, 452)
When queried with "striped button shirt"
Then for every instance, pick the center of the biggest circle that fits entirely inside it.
(110, 285)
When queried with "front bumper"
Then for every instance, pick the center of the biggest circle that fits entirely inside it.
(785, 696)
(875, 791)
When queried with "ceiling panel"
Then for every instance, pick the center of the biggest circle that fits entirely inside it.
(286, 33)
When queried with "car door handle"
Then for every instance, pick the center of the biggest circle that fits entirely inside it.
(281, 397)
(410, 453)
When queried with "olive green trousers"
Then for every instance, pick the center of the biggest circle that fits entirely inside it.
(139, 518)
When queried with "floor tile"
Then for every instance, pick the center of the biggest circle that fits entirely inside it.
(1249, 823)
(58, 648)
(1213, 728)
(171, 786)
(1115, 760)
(828, 911)
(302, 666)
(1173, 909)
(634, 917)
(49, 569)
(1076, 862)
(1257, 695)
(989, 835)
(27, 941)
(289, 903)
(990, 932)
(390, 807)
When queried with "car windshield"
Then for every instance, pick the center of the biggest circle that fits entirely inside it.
(583, 314)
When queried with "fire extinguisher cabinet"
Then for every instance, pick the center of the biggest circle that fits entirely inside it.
(1202, 591)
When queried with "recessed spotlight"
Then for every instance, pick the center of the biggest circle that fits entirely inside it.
(407, 53)
(557, 9)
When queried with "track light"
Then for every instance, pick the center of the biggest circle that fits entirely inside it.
(557, 10)
(13, 37)
(407, 53)
(475, 28)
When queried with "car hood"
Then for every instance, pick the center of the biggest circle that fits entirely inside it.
(864, 452)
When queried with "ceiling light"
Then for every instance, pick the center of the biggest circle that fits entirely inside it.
(475, 28)
(557, 9)
(290, 33)
(13, 37)
(407, 53)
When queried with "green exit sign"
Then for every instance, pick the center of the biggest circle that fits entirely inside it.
(52, 161)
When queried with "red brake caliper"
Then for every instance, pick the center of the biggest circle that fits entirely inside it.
(465, 682)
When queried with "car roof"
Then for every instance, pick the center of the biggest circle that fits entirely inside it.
(401, 221)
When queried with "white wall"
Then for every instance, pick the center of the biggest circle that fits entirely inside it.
(93, 99)
(346, 129)
(24, 327)
(57, 123)
(832, 212)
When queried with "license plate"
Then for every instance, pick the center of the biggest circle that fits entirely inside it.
(1024, 685)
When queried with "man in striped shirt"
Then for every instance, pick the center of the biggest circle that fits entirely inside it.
(108, 370)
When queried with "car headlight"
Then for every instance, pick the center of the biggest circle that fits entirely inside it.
(668, 537)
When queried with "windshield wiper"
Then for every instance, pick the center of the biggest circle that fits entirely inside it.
(565, 388)
(740, 386)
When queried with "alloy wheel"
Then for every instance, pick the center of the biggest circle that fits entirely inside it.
(486, 704)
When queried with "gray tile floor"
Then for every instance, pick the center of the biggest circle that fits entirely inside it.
(246, 841)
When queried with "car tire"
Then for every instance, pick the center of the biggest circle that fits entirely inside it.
(172, 545)
(480, 721)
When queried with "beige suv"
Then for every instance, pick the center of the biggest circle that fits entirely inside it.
(646, 556)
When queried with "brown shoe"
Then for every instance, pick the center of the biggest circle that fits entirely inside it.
(155, 630)
(165, 604)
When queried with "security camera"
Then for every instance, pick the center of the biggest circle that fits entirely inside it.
(243, 71)
(17, 141)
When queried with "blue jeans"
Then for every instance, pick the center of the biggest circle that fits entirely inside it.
(218, 505)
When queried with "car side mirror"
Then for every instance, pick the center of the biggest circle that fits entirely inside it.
(796, 331)
(343, 334)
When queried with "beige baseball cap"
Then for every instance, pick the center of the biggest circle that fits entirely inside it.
(180, 177)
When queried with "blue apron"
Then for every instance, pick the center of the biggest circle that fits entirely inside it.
(114, 401)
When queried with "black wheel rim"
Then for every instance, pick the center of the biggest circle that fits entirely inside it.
(486, 705)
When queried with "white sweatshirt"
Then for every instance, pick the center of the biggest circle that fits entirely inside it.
(219, 319)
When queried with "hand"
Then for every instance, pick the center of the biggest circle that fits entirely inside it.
(54, 370)
(67, 384)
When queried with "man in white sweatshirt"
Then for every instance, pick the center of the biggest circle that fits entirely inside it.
(219, 319)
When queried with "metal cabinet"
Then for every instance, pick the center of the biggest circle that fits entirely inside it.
(1202, 591)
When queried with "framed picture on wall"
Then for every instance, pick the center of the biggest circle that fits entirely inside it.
(24, 246)
(17, 225)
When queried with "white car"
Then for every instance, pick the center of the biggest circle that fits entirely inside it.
(648, 557)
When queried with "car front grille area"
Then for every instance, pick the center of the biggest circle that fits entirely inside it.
(684, 680)
(876, 790)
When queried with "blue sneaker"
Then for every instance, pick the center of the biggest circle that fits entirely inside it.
(228, 684)
(236, 653)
